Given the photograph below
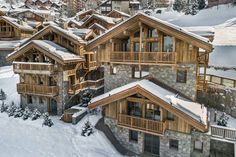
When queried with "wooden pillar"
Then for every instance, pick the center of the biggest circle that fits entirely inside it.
(140, 40)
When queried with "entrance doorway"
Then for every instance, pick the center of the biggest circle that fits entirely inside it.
(52, 107)
(151, 144)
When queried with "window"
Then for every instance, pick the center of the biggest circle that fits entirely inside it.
(170, 116)
(29, 99)
(152, 46)
(139, 73)
(181, 76)
(134, 109)
(198, 145)
(133, 136)
(152, 33)
(173, 144)
(40, 100)
(113, 70)
(168, 44)
(152, 112)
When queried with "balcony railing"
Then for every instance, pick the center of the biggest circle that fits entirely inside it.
(141, 124)
(201, 83)
(86, 84)
(33, 67)
(223, 132)
(37, 89)
(144, 57)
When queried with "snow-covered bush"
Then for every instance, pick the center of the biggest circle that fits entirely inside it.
(11, 109)
(2, 95)
(18, 112)
(26, 114)
(35, 115)
(4, 107)
(47, 120)
(87, 129)
(223, 120)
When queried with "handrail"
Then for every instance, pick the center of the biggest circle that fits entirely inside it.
(223, 132)
(33, 66)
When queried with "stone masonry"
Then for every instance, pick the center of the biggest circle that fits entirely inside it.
(165, 74)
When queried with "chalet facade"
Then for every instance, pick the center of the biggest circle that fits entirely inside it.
(109, 5)
(53, 67)
(151, 120)
(29, 15)
(152, 77)
(163, 51)
(11, 28)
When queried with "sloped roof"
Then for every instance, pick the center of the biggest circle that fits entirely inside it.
(164, 26)
(62, 54)
(97, 25)
(119, 12)
(65, 33)
(109, 20)
(188, 110)
(17, 23)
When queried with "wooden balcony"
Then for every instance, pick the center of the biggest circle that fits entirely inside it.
(91, 65)
(223, 132)
(41, 90)
(33, 68)
(141, 124)
(87, 84)
(144, 57)
(201, 83)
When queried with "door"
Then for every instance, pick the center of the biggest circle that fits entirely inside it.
(52, 108)
(151, 144)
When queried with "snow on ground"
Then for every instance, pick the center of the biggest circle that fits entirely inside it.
(207, 17)
(8, 82)
(19, 138)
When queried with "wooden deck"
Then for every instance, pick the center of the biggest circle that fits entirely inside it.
(141, 124)
(223, 132)
(144, 57)
(33, 68)
(43, 90)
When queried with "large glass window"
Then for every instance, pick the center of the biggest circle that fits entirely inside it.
(152, 46)
(152, 112)
(134, 109)
(168, 44)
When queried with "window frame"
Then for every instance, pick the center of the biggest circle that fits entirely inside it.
(131, 137)
(174, 144)
(196, 149)
(178, 79)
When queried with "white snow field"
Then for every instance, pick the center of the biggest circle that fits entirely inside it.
(19, 138)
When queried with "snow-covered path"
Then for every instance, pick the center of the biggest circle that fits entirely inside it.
(19, 138)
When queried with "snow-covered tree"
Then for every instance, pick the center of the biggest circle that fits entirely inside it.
(194, 8)
(18, 112)
(188, 9)
(2, 95)
(86, 96)
(47, 120)
(179, 5)
(87, 129)
(201, 4)
(35, 115)
(26, 114)
(11, 109)
(223, 120)
(3, 107)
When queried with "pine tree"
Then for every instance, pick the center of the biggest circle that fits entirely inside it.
(47, 120)
(11, 109)
(194, 7)
(201, 4)
(223, 120)
(35, 115)
(188, 9)
(18, 112)
(26, 114)
(3, 107)
(178, 5)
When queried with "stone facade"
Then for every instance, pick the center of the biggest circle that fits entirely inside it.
(222, 148)
(122, 135)
(206, 141)
(165, 74)
(185, 141)
(220, 98)
(42, 107)
(184, 146)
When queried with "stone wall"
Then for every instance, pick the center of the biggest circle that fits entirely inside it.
(3, 55)
(165, 74)
(222, 147)
(184, 148)
(220, 98)
(205, 139)
(122, 135)
(42, 107)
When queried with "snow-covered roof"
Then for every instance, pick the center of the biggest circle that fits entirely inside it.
(6, 45)
(107, 19)
(201, 30)
(52, 48)
(180, 29)
(17, 23)
(192, 109)
(120, 12)
(97, 25)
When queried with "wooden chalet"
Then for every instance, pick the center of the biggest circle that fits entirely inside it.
(107, 22)
(29, 15)
(160, 47)
(83, 14)
(53, 67)
(97, 29)
(11, 28)
(144, 116)
(118, 14)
